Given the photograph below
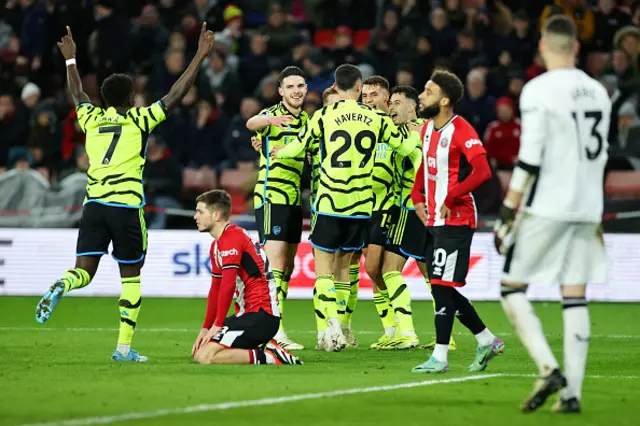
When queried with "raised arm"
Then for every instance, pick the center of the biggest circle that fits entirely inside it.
(184, 83)
(68, 48)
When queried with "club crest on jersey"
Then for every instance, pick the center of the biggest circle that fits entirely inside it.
(444, 142)
(277, 230)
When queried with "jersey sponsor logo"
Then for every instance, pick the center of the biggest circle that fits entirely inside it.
(472, 142)
(230, 252)
(431, 161)
(444, 142)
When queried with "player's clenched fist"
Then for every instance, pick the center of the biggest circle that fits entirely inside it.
(67, 46)
(256, 143)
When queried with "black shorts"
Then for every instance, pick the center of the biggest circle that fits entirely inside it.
(279, 222)
(448, 253)
(408, 237)
(101, 225)
(377, 232)
(248, 331)
(330, 233)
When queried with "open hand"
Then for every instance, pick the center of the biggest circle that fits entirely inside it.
(274, 151)
(206, 41)
(67, 46)
(281, 120)
(199, 341)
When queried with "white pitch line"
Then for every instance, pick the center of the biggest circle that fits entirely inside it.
(253, 403)
(195, 330)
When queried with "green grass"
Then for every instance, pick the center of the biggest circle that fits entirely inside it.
(63, 370)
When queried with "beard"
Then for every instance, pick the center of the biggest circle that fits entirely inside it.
(295, 103)
(430, 111)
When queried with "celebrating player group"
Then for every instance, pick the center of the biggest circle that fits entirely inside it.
(392, 176)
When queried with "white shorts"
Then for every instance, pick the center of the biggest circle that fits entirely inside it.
(549, 251)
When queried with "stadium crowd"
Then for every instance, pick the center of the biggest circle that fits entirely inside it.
(490, 44)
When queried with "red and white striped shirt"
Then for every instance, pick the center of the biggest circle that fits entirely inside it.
(240, 269)
(446, 157)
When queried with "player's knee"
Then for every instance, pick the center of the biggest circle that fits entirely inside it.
(507, 289)
(373, 270)
(207, 353)
(574, 291)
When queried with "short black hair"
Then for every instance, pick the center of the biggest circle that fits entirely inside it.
(347, 76)
(450, 85)
(288, 72)
(377, 80)
(216, 199)
(116, 90)
(561, 25)
(408, 92)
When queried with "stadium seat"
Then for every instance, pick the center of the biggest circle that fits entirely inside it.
(235, 179)
(623, 184)
(361, 39)
(323, 38)
(198, 180)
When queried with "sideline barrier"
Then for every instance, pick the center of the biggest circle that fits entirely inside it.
(177, 265)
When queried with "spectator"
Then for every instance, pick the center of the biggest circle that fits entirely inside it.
(467, 50)
(521, 42)
(237, 141)
(404, 76)
(608, 19)
(255, 65)
(30, 95)
(628, 39)
(222, 82)
(14, 126)
(80, 165)
(111, 29)
(423, 61)
(280, 35)
(502, 138)
(318, 77)
(162, 181)
(166, 74)
(477, 106)
(206, 149)
(343, 51)
(44, 137)
(627, 120)
(150, 39)
(536, 68)
(577, 10)
(455, 15)
(442, 36)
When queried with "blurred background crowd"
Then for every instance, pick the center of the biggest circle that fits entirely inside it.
(490, 44)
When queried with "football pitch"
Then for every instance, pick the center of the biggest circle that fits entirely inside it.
(61, 373)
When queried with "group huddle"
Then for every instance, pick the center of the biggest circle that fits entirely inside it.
(363, 158)
(384, 185)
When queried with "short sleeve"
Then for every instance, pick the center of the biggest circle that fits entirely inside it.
(533, 128)
(86, 112)
(469, 143)
(230, 252)
(149, 117)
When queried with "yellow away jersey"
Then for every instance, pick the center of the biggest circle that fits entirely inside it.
(404, 174)
(348, 133)
(279, 180)
(116, 145)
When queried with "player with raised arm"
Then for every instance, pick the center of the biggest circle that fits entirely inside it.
(240, 270)
(454, 164)
(348, 133)
(277, 192)
(112, 212)
(557, 187)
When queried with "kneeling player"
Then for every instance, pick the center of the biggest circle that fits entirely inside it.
(238, 265)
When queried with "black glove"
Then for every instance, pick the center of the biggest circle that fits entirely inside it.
(502, 230)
